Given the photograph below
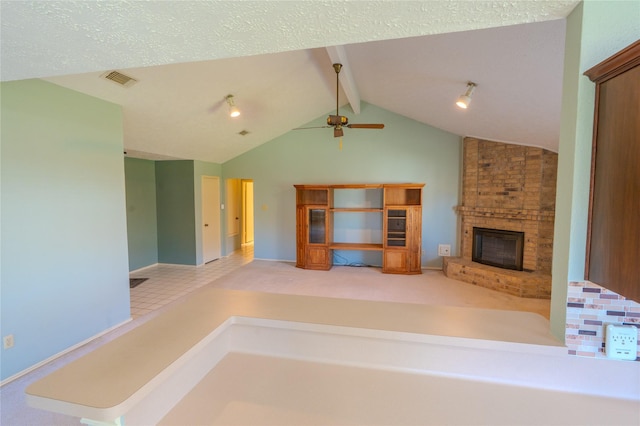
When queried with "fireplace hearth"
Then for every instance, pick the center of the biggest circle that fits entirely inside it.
(497, 247)
(506, 187)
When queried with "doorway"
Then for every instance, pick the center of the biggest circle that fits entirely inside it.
(211, 245)
(247, 211)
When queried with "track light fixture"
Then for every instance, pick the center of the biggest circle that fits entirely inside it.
(464, 100)
(233, 109)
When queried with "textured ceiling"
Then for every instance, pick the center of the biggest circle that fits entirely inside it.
(188, 55)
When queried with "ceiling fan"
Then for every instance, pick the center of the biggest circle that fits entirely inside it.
(338, 122)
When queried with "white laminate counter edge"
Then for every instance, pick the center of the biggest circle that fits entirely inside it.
(311, 328)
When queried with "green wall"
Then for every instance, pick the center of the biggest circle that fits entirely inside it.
(142, 224)
(64, 276)
(404, 151)
(165, 208)
(176, 212)
(595, 31)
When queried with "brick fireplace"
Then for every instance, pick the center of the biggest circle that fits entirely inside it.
(510, 188)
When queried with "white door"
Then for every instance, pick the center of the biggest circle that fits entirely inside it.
(210, 218)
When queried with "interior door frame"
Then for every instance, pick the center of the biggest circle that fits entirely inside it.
(247, 212)
(217, 216)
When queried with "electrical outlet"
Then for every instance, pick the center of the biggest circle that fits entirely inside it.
(444, 250)
(7, 341)
(621, 342)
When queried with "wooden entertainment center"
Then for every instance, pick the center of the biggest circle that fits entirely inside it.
(400, 208)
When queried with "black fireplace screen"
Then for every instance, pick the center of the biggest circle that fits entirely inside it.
(496, 247)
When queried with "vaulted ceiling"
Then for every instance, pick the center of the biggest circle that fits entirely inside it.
(412, 58)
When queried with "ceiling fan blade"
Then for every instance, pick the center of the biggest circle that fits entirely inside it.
(317, 127)
(365, 126)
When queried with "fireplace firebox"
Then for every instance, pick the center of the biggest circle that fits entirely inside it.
(497, 247)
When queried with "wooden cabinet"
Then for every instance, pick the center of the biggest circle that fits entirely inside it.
(401, 222)
(613, 238)
(402, 229)
(313, 225)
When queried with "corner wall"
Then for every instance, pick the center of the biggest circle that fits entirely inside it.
(64, 275)
(176, 212)
(142, 223)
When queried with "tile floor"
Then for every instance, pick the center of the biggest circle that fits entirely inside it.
(167, 283)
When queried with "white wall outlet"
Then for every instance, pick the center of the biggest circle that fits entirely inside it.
(7, 341)
(444, 250)
(621, 342)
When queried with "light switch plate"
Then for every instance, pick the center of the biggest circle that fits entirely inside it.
(621, 342)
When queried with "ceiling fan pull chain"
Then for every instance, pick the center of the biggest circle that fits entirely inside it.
(340, 143)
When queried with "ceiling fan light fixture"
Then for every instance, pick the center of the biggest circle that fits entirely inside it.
(233, 109)
(337, 121)
(464, 100)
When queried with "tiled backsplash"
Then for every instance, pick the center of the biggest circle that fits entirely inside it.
(589, 309)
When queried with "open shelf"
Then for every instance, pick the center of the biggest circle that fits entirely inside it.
(402, 195)
(355, 246)
(313, 196)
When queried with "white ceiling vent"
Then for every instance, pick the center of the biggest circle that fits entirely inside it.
(119, 78)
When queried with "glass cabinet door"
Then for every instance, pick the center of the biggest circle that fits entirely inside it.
(397, 228)
(317, 226)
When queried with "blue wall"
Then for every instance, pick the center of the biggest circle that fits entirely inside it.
(142, 223)
(64, 261)
(404, 151)
(176, 212)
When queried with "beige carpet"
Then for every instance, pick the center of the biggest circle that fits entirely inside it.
(430, 288)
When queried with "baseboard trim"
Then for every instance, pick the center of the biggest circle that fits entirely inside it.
(143, 268)
(275, 260)
(62, 353)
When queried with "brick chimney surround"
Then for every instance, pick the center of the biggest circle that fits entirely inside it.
(513, 188)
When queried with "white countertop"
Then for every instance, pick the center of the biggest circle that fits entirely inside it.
(115, 371)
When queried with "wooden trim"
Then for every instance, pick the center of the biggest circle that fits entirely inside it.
(615, 65)
(357, 186)
(592, 182)
(360, 186)
(357, 209)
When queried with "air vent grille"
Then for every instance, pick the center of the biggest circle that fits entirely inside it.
(119, 78)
